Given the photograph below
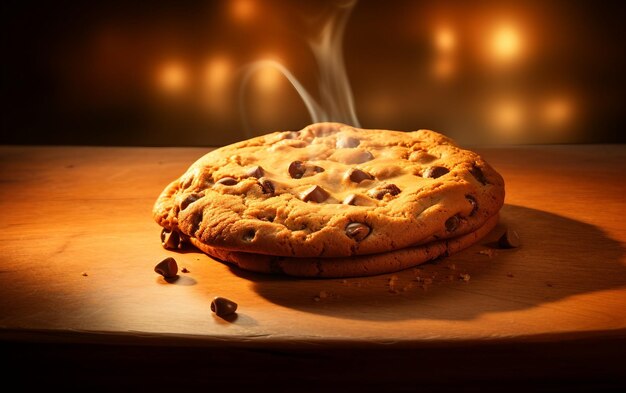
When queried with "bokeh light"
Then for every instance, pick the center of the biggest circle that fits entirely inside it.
(172, 77)
(506, 43)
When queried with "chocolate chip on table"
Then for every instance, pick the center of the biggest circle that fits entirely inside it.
(223, 307)
(381, 191)
(349, 200)
(170, 240)
(434, 172)
(296, 169)
(255, 171)
(452, 223)
(227, 181)
(347, 142)
(510, 239)
(357, 175)
(315, 194)
(357, 231)
(168, 268)
(267, 186)
(472, 202)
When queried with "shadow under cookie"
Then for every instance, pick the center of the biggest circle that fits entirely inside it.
(553, 262)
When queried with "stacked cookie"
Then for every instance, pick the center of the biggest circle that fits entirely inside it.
(332, 201)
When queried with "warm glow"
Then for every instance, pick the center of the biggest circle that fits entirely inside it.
(243, 10)
(445, 40)
(268, 79)
(217, 73)
(506, 43)
(557, 112)
(507, 117)
(173, 77)
(443, 67)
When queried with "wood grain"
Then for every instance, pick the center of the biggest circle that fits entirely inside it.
(74, 210)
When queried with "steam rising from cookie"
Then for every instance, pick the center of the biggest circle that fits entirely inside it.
(336, 102)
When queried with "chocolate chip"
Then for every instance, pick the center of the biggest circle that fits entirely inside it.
(510, 239)
(296, 169)
(357, 175)
(318, 169)
(472, 202)
(188, 201)
(478, 174)
(315, 194)
(267, 186)
(227, 181)
(347, 142)
(170, 240)
(168, 268)
(452, 223)
(381, 191)
(255, 171)
(434, 172)
(357, 231)
(349, 200)
(223, 307)
(249, 235)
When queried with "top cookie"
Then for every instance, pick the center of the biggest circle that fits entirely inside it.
(332, 190)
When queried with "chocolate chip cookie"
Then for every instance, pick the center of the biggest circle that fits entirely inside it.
(331, 191)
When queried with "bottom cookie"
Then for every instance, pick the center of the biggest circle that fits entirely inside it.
(361, 265)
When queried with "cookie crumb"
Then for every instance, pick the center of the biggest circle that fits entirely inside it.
(344, 282)
(464, 276)
(393, 280)
(184, 270)
(84, 274)
(451, 266)
(488, 251)
(316, 298)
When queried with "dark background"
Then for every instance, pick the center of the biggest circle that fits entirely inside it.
(165, 73)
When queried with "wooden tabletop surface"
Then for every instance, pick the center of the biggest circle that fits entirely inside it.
(79, 246)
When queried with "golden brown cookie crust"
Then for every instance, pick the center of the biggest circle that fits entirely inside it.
(355, 266)
(281, 194)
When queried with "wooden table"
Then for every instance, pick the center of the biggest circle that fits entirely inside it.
(81, 304)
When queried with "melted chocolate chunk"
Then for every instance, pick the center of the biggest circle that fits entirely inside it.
(452, 223)
(315, 194)
(187, 201)
(479, 175)
(381, 191)
(435, 171)
(349, 200)
(472, 202)
(357, 175)
(227, 181)
(347, 142)
(249, 235)
(299, 169)
(357, 231)
(267, 186)
(255, 171)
